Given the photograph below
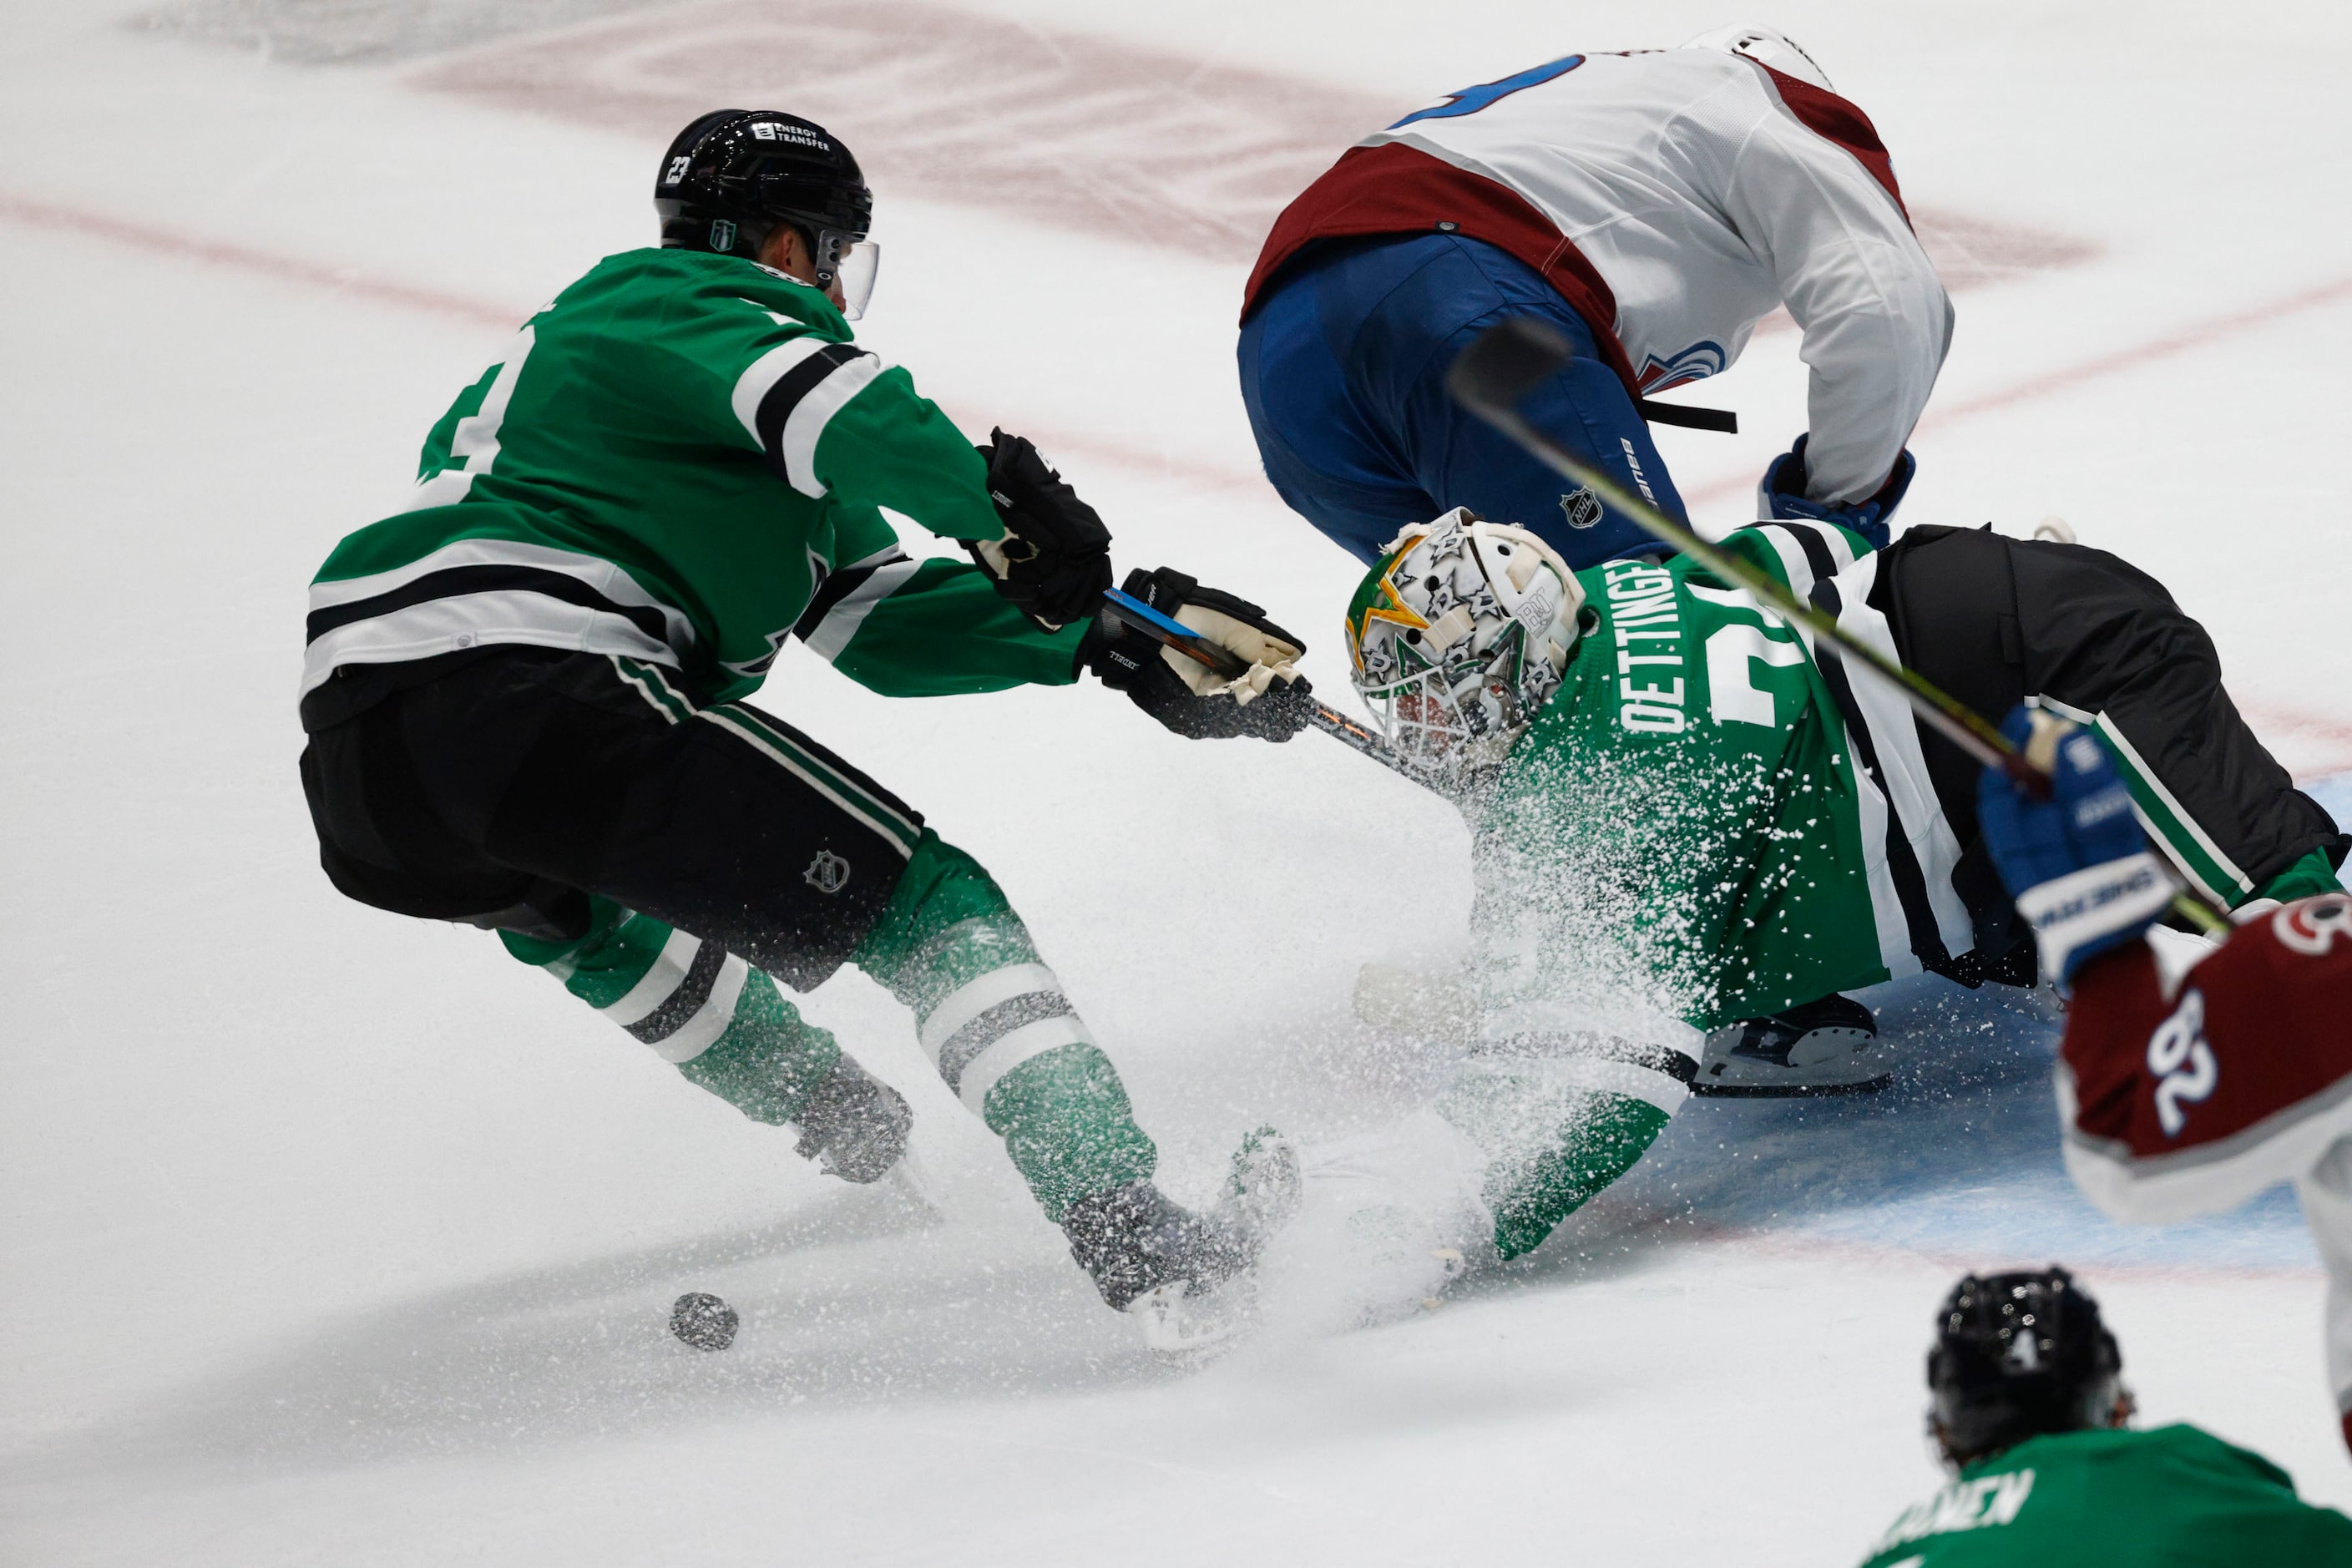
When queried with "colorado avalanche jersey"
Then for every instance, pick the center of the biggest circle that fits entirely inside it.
(1674, 197)
(2191, 1078)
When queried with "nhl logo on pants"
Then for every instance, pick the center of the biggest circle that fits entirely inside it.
(1581, 508)
(828, 873)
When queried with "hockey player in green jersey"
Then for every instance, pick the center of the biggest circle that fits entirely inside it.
(1692, 827)
(2029, 1411)
(523, 694)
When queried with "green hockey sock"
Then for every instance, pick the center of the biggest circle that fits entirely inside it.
(724, 1024)
(2308, 878)
(1553, 1143)
(994, 1019)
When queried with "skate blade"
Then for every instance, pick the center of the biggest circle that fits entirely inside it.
(1732, 1079)
(1185, 1329)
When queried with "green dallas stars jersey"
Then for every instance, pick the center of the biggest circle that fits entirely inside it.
(1690, 833)
(2117, 1499)
(683, 460)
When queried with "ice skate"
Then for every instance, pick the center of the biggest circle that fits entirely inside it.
(1187, 1277)
(852, 1124)
(1829, 1046)
(1391, 1219)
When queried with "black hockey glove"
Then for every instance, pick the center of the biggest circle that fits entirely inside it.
(1273, 702)
(1054, 561)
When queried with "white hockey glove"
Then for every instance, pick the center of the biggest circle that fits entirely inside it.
(1270, 700)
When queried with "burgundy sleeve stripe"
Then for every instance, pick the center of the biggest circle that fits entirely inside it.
(1833, 118)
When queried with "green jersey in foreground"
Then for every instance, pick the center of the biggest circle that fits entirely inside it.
(2175, 1496)
(683, 460)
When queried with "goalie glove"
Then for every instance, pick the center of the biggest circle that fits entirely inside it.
(1054, 561)
(1270, 701)
(2077, 864)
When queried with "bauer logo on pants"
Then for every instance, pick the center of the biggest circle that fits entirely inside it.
(828, 873)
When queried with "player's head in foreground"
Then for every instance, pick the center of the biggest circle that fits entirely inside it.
(2017, 1356)
(1459, 635)
(776, 189)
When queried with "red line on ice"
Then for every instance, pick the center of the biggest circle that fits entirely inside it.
(350, 282)
(180, 246)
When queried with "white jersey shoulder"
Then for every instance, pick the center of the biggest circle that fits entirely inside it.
(1704, 201)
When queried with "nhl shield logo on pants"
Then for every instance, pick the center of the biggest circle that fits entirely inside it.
(1581, 508)
(828, 873)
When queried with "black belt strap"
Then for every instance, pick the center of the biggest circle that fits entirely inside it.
(1687, 416)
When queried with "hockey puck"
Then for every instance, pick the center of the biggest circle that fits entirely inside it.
(703, 1321)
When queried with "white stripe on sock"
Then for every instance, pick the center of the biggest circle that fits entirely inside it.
(657, 984)
(972, 999)
(1010, 1050)
(698, 1034)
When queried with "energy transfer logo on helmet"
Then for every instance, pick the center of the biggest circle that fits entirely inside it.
(732, 178)
(1460, 636)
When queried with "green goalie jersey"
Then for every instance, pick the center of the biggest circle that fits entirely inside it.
(2174, 1495)
(1710, 821)
(684, 459)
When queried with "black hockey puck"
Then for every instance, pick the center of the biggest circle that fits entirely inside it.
(703, 1321)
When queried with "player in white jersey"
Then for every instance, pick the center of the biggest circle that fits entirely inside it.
(1654, 206)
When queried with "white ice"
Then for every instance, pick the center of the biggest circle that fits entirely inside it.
(331, 1237)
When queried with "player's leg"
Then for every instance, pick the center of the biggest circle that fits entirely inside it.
(1557, 1128)
(571, 773)
(1343, 366)
(1994, 619)
(1410, 342)
(391, 838)
(996, 1023)
(1327, 462)
(2325, 1195)
(728, 1029)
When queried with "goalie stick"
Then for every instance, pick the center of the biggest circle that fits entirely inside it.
(1129, 611)
(1508, 360)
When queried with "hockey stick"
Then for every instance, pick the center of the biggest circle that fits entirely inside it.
(1168, 632)
(1512, 358)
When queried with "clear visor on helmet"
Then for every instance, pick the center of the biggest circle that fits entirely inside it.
(851, 260)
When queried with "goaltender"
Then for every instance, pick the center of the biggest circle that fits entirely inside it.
(1694, 826)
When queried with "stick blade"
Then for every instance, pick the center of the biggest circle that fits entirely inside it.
(1507, 361)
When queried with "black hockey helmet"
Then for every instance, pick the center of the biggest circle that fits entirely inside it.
(735, 174)
(2018, 1355)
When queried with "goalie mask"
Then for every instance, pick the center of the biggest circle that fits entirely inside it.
(1459, 637)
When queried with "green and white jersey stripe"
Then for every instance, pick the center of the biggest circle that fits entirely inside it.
(682, 461)
(2206, 865)
(1708, 822)
(779, 745)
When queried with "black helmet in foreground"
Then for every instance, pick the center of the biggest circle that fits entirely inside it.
(2018, 1355)
(734, 175)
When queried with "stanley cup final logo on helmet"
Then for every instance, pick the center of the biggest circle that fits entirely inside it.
(1460, 634)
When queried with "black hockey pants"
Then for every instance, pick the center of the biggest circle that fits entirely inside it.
(1993, 620)
(499, 788)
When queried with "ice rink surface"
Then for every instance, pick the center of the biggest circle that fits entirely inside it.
(330, 1237)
